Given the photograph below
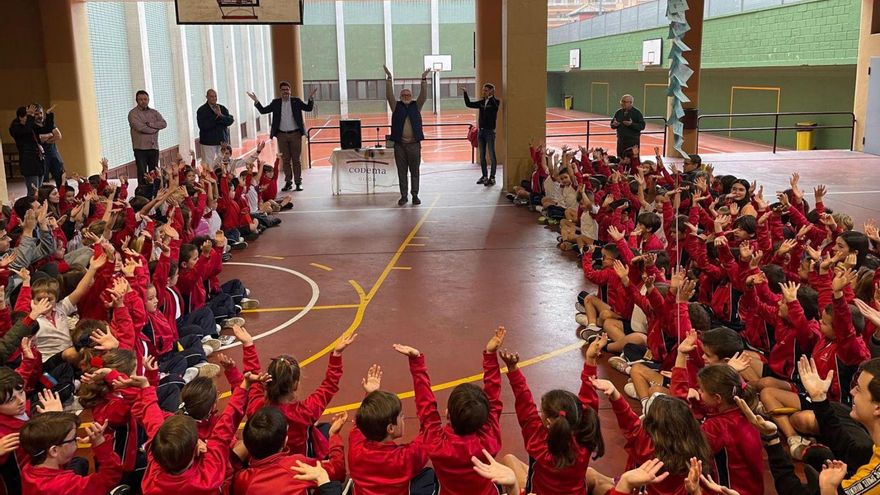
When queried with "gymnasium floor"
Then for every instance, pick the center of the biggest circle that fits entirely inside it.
(442, 276)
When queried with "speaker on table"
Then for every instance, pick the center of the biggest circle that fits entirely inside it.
(349, 134)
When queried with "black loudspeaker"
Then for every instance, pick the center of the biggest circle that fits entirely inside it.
(349, 134)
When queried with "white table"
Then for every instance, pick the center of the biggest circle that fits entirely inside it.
(363, 171)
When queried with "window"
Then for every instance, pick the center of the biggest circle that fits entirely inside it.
(327, 90)
(449, 87)
(366, 89)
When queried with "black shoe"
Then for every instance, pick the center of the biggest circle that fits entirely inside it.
(489, 182)
(287, 186)
(482, 180)
(402, 201)
(251, 237)
(226, 257)
(288, 206)
(238, 245)
(299, 187)
(416, 200)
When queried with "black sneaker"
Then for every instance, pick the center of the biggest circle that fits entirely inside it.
(482, 180)
(299, 187)
(402, 201)
(416, 200)
(252, 236)
(489, 182)
(287, 186)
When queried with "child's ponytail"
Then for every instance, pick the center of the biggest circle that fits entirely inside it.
(285, 373)
(568, 423)
(724, 381)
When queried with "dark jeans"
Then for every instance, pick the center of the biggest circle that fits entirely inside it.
(622, 146)
(32, 183)
(202, 318)
(54, 166)
(146, 161)
(486, 140)
(408, 157)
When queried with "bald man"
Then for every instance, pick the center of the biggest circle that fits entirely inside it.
(214, 121)
(629, 124)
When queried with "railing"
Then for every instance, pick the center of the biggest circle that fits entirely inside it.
(605, 120)
(776, 127)
(380, 137)
(648, 15)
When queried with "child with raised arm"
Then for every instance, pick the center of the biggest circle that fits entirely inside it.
(303, 437)
(379, 465)
(473, 415)
(563, 437)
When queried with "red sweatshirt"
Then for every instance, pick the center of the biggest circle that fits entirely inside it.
(384, 468)
(450, 453)
(546, 477)
(191, 281)
(302, 415)
(207, 471)
(617, 297)
(843, 353)
(273, 474)
(38, 480)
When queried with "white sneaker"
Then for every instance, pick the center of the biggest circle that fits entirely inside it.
(798, 445)
(630, 390)
(231, 322)
(620, 364)
(539, 208)
(208, 370)
(227, 340)
(212, 344)
(580, 307)
(248, 303)
(594, 327)
(581, 319)
(190, 374)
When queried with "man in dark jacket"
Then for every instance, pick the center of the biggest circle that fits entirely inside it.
(23, 130)
(406, 132)
(288, 126)
(488, 115)
(49, 136)
(629, 123)
(214, 121)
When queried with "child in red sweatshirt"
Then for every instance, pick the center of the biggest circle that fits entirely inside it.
(473, 422)
(270, 468)
(50, 440)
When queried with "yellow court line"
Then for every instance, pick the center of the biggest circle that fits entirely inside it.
(321, 267)
(467, 379)
(268, 257)
(358, 317)
(401, 268)
(300, 308)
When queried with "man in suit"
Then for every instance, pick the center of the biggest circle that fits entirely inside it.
(288, 126)
(214, 121)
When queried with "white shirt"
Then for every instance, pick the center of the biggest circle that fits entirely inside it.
(54, 333)
(287, 123)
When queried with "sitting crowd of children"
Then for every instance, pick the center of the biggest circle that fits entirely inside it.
(744, 327)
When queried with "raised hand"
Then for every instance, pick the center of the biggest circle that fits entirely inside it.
(242, 335)
(40, 307)
(815, 386)
(831, 476)
(150, 363)
(819, 192)
(740, 362)
(406, 350)
(645, 474)
(496, 340)
(27, 352)
(493, 470)
(308, 472)
(843, 279)
(687, 290)
(338, 422)
(594, 348)
(387, 72)
(373, 380)
(94, 434)
(606, 387)
(790, 291)
(49, 401)
(689, 343)
(621, 270)
(253, 96)
(867, 311)
(104, 340)
(251, 378)
(511, 359)
(8, 443)
(614, 233)
(764, 426)
(343, 343)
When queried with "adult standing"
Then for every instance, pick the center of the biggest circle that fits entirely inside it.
(23, 130)
(289, 127)
(406, 132)
(629, 123)
(145, 124)
(488, 115)
(214, 121)
(49, 135)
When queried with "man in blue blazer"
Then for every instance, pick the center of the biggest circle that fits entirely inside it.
(289, 127)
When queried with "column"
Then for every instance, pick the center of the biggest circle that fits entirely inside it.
(68, 62)
(209, 68)
(186, 130)
(694, 40)
(246, 114)
(340, 58)
(287, 63)
(232, 88)
(524, 79)
(488, 62)
(138, 48)
(869, 47)
(389, 40)
(435, 50)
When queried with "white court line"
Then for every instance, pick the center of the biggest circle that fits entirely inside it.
(398, 208)
(851, 192)
(300, 314)
(319, 130)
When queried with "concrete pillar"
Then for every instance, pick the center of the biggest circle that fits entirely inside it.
(246, 114)
(68, 62)
(524, 62)
(233, 65)
(869, 46)
(488, 62)
(209, 68)
(138, 48)
(342, 68)
(287, 64)
(435, 50)
(694, 40)
(186, 130)
(389, 40)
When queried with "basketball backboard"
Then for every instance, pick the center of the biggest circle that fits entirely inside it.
(652, 52)
(438, 63)
(239, 11)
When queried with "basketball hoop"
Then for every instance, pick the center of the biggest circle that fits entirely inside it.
(640, 65)
(566, 68)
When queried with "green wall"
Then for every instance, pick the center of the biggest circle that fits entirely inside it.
(319, 61)
(458, 40)
(821, 32)
(364, 51)
(754, 90)
(411, 43)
